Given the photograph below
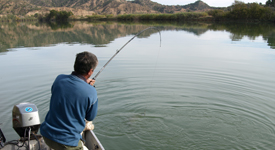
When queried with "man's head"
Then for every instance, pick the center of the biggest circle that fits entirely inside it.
(85, 63)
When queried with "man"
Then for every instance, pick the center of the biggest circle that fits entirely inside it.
(73, 100)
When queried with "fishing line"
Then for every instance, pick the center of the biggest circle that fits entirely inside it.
(123, 47)
(151, 83)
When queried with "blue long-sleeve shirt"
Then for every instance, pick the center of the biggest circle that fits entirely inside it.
(72, 100)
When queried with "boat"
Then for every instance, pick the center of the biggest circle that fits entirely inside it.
(92, 143)
(26, 123)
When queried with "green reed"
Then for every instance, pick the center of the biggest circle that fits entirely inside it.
(173, 17)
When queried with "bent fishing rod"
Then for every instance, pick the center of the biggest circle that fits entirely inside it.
(122, 48)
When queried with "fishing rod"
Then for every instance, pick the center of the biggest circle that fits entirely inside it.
(122, 48)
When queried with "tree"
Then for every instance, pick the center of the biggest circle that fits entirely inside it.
(255, 11)
(239, 10)
(270, 3)
(59, 15)
(53, 13)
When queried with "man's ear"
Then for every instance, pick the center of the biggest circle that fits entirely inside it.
(90, 72)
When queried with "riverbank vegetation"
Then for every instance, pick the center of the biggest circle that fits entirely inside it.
(58, 16)
(172, 17)
(12, 18)
(245, 12)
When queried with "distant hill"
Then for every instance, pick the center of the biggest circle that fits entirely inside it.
(197, 6)
(89, 7)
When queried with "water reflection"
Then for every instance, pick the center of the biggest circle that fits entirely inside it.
(60, 25)
(36, 35)
(270, 39)
(252, 30)
(100, 34)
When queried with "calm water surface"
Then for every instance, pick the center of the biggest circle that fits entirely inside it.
(207, 86)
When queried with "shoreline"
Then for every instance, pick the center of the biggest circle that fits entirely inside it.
(206, 19)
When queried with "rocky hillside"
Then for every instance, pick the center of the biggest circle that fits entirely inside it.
(89, 7)
(197, 6)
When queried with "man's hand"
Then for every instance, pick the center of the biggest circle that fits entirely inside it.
(89, 125)
(91, 82)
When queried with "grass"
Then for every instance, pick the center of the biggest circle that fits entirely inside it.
(172, 17)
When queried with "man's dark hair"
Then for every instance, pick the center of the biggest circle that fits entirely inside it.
(84, 62)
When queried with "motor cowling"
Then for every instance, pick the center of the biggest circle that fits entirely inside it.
(25, 117)
(2, 139)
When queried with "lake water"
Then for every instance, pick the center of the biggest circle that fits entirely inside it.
(208, 86)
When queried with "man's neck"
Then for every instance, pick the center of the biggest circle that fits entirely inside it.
(83, 77)
(86, 76)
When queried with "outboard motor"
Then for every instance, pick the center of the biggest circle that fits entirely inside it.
(25, 117)
(2, 139)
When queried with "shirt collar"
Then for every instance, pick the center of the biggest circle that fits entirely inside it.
(79, 76)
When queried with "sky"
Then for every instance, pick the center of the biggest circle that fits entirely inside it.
(212, 3)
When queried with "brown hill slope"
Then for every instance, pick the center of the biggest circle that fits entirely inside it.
(88, 7)
(197, 6)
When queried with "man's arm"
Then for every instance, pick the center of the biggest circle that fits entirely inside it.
(92, 112)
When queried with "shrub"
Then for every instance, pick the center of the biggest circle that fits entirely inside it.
(250, 11)
(58, 15)
(95, 17)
